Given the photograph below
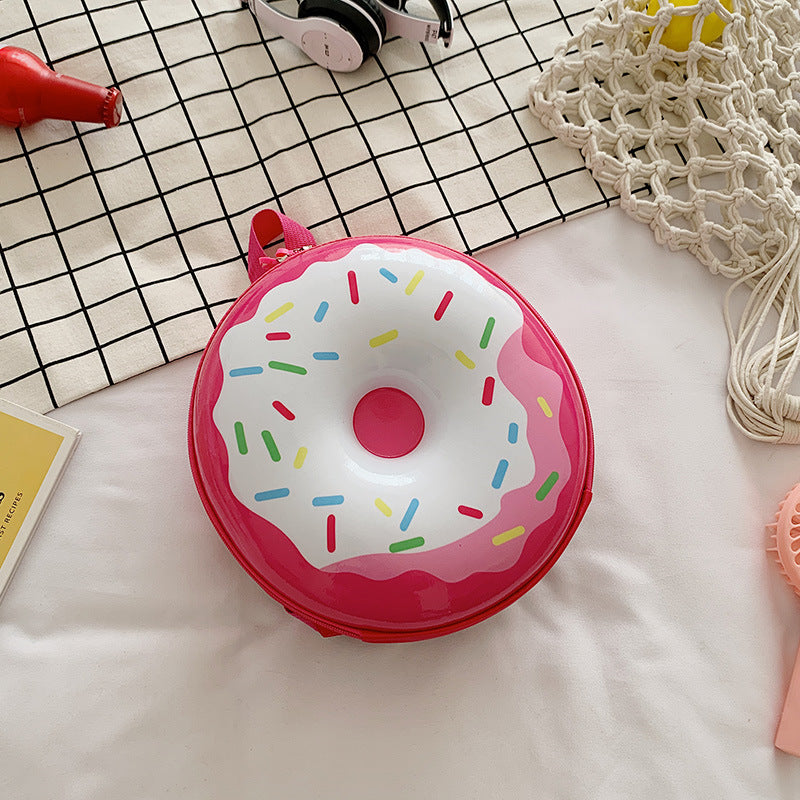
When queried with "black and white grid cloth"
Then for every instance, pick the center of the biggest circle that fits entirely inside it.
(121, 248)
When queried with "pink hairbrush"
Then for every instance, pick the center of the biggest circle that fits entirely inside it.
(786, 548)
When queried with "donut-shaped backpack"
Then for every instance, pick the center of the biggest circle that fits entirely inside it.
(386, 435)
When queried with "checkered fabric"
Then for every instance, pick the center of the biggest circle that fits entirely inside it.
(121, 248)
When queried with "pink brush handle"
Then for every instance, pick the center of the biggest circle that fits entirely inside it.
(788, 736)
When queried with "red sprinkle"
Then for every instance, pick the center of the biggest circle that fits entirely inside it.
(470, 512)
(439, 313)
(331, 533)
(282, 410)
(351, 279)
(488, 391)
(278, 335)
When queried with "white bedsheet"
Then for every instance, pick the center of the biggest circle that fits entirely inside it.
(140, 661)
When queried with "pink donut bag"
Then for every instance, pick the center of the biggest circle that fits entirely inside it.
(386, 435)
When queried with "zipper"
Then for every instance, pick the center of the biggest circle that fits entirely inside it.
(282, 253)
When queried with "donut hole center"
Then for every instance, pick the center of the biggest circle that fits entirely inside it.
(388, 422)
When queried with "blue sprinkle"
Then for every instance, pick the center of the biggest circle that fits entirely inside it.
(321, 312)
(273, 494)
(390, 276)
(499, 474)
(326, 356)
(409, 515)
(513, 432)
(328, 500)
(235, 373)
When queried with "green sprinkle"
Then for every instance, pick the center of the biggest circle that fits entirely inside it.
(272, 448)
(241, 442)
(287, 367)
(406, 544)
(547, 486)
(487, 333)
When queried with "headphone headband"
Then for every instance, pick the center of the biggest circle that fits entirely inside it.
(400, 23)
(335, 45)
(444, 11)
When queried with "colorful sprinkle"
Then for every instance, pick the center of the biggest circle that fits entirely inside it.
(287, 367)
(468, 511)
(409, 515)
(390, 276)
(508, 535)
(326, 356)
(488, 391)
(465, 359)
(353, 284)
(300, 457)
(278, 336)
(547, 486)
(320, 313)
(499, 474)
(406, 544)
(331, 530)
(382, 507)
(241, 441)
(377, 341)
(548, 412)
(237, 373)
(513, 432)
(328, 500)
(272, 448)
(273, 494)
(278, 312)
(282, 410)
(487, 333)
(414, 282)
(439, 313)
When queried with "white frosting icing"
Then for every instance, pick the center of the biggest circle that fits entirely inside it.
(464, 441)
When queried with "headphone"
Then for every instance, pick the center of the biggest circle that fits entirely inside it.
(341, 34)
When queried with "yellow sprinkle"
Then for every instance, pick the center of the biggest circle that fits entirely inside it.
(278, 312)
(382, 507)
(545, 407)
(377, 341)
(414, 282)
(507, 536)
(465, 359)
(300, 457)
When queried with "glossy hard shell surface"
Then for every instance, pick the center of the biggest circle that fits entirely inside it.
(389, 543)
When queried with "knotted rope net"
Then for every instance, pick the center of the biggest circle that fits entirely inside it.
(702, 144)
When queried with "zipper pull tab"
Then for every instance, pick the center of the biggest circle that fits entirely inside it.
(282, 253)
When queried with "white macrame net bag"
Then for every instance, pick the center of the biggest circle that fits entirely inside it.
(712, 133)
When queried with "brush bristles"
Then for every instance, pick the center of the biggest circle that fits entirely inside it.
(784, 532)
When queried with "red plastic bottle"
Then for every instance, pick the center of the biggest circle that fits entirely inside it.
(30, 91)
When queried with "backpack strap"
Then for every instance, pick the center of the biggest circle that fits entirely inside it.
(268, 225)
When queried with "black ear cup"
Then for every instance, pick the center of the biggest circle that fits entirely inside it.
(362, 18)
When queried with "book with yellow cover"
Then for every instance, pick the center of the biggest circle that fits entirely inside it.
(34, 450)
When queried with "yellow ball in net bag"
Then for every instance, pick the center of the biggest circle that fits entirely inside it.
(678, 33)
